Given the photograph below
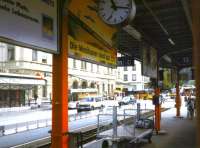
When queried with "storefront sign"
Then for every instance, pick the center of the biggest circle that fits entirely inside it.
(30, 23)
(83, 51)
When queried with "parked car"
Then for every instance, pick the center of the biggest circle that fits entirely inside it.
(127, 100)
(90, 103)
(73, 104)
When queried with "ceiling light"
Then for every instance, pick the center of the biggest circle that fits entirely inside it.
(171, 41)
(133, 32)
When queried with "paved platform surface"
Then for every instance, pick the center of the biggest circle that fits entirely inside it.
(181, 133)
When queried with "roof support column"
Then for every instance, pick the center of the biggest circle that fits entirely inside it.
(60, 92)
(196, 55)
(157, 103)
(178, 99)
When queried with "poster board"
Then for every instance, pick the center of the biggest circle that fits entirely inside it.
(31, 23)
(149, 61)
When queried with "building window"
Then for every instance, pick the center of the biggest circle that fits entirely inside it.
(108, 88)
(75, 85)
(74, 63)
(44, 91)
(92, 85)
(84, 85)
(125, 68)
(118, 75)
(34, 55)
(112, 88)
(134, 87)
(133, 77)
(134, 68)
(44, 61)
(103, 87)
(11, 53)
(125, 77)
(83, 65)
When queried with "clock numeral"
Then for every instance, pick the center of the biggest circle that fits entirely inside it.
(101, 9)
(128, 4)
(102, 1)
(126, 12)
(109, 17)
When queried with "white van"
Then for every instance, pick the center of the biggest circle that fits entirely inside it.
(90, 103)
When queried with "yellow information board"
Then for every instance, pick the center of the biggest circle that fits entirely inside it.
(86, 11)
(84, 51)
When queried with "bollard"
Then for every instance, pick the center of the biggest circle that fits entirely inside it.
(138, 111)
(98, 126)
(114, 144)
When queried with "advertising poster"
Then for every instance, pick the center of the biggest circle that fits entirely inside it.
(30, 23)
(149, 61)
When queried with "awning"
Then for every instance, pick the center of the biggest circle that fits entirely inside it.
(19, 82)
(88, 90)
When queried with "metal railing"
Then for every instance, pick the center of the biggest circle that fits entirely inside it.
(29, 125)
(24, 126)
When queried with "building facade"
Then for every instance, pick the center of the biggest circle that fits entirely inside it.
(130, 78)
(90, 79)
(26, 74)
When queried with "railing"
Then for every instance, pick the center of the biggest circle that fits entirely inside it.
(24, 126)
(29, 125)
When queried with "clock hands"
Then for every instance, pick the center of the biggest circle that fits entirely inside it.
(113, 5)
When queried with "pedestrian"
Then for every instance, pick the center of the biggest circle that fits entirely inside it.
(35, 97)
(190, 107)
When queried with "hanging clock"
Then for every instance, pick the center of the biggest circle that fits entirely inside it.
(116, 11)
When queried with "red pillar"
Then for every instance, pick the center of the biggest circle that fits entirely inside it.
(60, 92)
(178, 99)
(157, 112)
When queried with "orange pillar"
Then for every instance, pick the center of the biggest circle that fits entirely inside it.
(157, 112)
(178, 99)
(60, 92)
(196, 55)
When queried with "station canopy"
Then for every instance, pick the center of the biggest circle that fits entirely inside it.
(164, 25)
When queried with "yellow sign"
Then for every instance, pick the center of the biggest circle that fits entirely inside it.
(86, 11)
(81, 50)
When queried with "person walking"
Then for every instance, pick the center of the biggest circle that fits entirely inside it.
(190, 107)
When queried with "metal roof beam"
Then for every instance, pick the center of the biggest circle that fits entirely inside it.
(187, 12)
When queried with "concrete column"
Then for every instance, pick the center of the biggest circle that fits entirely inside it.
(196, 56)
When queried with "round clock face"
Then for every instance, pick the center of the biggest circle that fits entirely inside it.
(114, 11)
